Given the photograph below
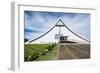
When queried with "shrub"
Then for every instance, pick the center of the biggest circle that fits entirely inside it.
(25, 58)
(44, 53)
(50, 47)
(34, 56)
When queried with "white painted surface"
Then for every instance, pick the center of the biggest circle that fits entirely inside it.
(50, 37)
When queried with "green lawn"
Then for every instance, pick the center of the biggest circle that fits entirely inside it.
(40, 52)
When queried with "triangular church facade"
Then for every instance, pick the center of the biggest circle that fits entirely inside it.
(58, 33)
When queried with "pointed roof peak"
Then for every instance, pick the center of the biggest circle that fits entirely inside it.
(60, 23)
(60, 20)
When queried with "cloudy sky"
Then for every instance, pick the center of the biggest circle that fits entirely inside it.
(37, 23)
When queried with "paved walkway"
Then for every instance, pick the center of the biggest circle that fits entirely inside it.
(73, 51)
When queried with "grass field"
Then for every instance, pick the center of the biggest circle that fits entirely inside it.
(40, 52)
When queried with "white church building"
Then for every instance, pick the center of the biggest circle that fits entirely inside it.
(58, 33)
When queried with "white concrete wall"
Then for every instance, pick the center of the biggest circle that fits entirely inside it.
(50, 37)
